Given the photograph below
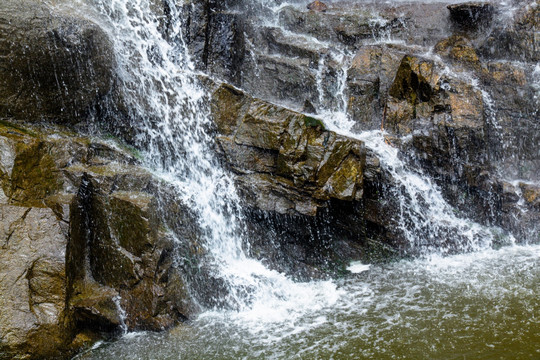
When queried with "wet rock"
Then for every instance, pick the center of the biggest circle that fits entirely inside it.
(280, 77)
(513, 118)
(32, 283)
(369, 79)
(458, 49)
(303, 186)
(54, 65)
(531, 194)
(346, 27)
(268, 139)
(88, 244)
(412, 94)
(471, 15)
(515, 38)
(317, 6)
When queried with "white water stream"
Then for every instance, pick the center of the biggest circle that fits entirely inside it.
(170, 116)
(274, 316)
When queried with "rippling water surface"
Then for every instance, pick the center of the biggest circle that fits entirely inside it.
(483, 305)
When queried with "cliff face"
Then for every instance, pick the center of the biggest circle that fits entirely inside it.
(456, 89)
(86, 249)
(93, 244)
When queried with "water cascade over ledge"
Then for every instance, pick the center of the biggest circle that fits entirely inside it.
(353, 179)
(169, 108)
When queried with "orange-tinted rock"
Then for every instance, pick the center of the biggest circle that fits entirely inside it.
(317, 6)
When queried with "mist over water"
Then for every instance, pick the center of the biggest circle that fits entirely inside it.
(482, 302)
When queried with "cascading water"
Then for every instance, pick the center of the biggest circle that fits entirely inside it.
(402, 310)
(427, 221)
(170, 115)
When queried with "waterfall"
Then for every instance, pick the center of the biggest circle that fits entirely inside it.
(437, 305)
(169, 113)
(425, 218)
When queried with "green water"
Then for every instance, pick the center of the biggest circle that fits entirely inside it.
(484, 305)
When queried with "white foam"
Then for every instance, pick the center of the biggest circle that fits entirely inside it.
(356, 267)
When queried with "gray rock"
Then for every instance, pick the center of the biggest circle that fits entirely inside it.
(54, 64)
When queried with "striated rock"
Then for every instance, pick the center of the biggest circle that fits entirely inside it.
(516, 39)
(32, 320)
(458, 49)
(54, 64)
(88, 244)
(308, 164)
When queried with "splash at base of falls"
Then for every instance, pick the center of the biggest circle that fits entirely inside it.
(472, 305)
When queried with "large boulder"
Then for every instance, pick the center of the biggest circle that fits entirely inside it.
(311, 197)
(54, 64)
(92, 244)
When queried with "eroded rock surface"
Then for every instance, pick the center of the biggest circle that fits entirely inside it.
(287, 161)
(86, 248)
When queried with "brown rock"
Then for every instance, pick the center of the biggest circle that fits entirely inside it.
(458, 49)
(87, 250)
(32, 283)
(317, 6)
(308, 164)
(531, 194)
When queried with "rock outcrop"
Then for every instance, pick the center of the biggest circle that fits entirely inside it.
(92, 244)
(88, 247)
(287, 162)
(310, 195)
(464, 116)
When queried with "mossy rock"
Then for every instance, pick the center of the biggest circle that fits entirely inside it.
(312, 122)
(131, 221)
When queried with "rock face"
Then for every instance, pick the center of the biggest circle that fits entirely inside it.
(307, 191)
(92, 243)
(86, 247)
(288, 162)
(471, 15)
(462, 113)
(54, 64)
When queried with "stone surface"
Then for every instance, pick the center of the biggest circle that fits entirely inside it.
(287, 162)
(471, 15)
(317, 6)
(87, 249)
(32, 285)
(54, 64)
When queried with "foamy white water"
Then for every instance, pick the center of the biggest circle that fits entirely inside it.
(482, 304)
(170, 114)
